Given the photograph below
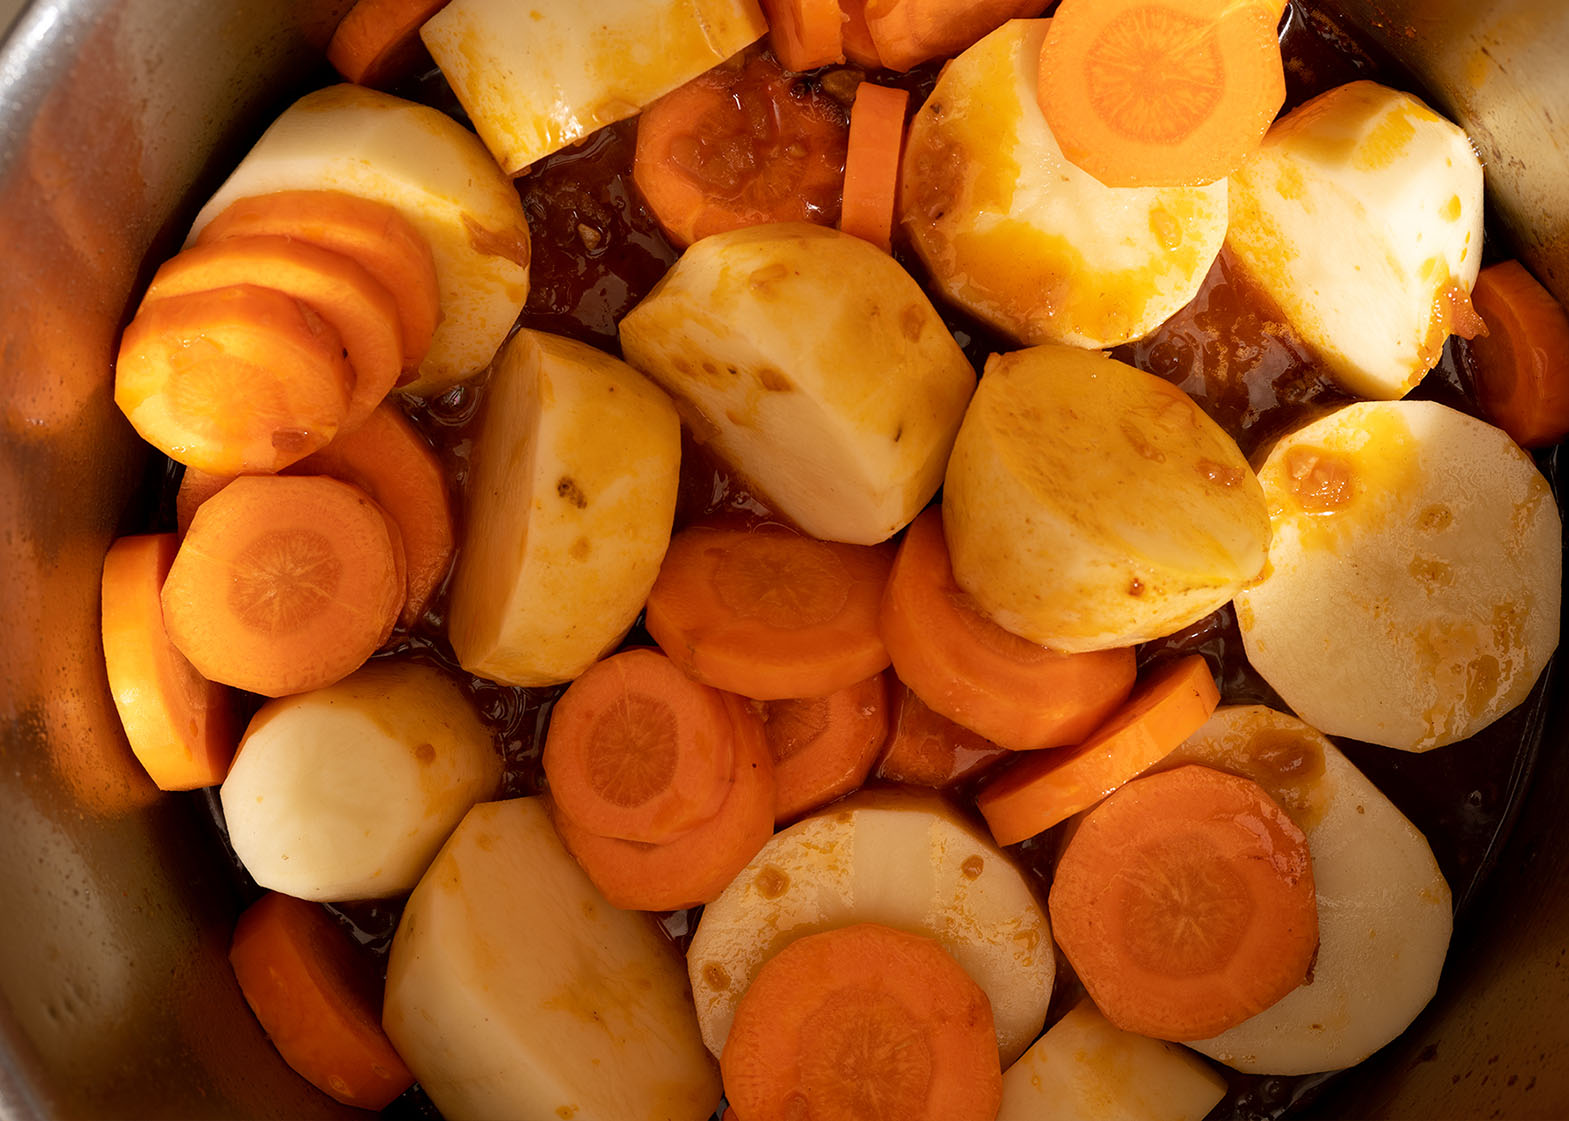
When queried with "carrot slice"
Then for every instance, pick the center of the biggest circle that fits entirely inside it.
(181, 726)
(738, 146)
(1161, 93)
(859, 47)
(373, 234)
(871, 163)
(768, 613)
(638, 750)
(1522, 362)
(698, 865)
(283, 584)
(334, 286)
(1185, 903)
(824, 747)
(237, 379)
(863, 1022)
(196, 487)
(908, 32)
(1044, 788)
(319, 1002)
(1016, 693)
(378, 41)
(805, 34)
(926, 749)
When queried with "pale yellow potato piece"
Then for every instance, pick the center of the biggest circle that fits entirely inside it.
(361, 142)
(346, 792)
(536, 76)
(1361, 216)
(515, 990)
(811, 363)
(1086, 1069)
(900, 858)
(571, 498)
(1090, 505)
(1412, 593)
(1383, 906)
(1021, 238)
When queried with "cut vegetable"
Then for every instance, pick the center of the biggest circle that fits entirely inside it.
(871, 163)
(824, 747)
(858, 45)
(1424, 548)
(863, 1022)
(592, 1021)
(908, 32)
(926, 749)
(378, 41)
(1522, 361)
(196, 487)
(805, 34)
(1185, 903)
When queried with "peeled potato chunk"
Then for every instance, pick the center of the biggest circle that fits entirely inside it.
(515, 990)
(419, 160)
(1089, 505)
(346, 792)
(899, 858)
(1020, 237)
(812, 364)
(1414, 579)
(1383, 906)
(1361, 216)
(571, 498)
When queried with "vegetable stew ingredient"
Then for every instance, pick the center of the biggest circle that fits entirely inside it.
(909, 32)
(805, 34)
(824, 747)
(377, 42)
(871, 163)
(1522, 361)
(926, 749)
(858, 45)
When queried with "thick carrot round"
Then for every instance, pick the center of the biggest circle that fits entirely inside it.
(858, 45)
(907, 32)
(696, 866)
(378, 41)
(1161, 93)
(1522, 362)
(1016, 693)
(927, 749)
(1185, 903)
(283, 584)
(196, 487)
(824, 747)
(1046, 787)
(318, 1001)
(237, 379)
(863, 1022)
(740, 146)
(871, 163)
(768, 613)
(805, 34)
(181, 726)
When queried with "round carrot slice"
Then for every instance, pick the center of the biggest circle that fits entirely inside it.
(1522, 362)
(823, 747)
(378, 41)
(1185, 903)
(805, 34)
(638, 750)
(866, 1023)
(927, 749)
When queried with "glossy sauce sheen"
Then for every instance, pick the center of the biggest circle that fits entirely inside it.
(597, 251)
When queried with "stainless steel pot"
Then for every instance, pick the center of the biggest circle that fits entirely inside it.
(116, 116)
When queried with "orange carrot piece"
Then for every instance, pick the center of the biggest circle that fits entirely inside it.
(318, 1001)
(196, 487)
(372, 234)
(334, 286)
(824, 747)
(926, 749)
(768, 613)
(1016, 693)
(1522, 362)
(378, 41)
(871, 163)
(908, 32)
(1044, 788)
(1185, 903)
(283, 584)
(181, 726)
(696, 866)
(738, 147)
(863, 1022)
(857, 36)
(1161, 93)
(805, 34)
(237, 379)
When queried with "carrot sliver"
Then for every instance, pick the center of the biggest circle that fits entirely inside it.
(857, 36)
(283, 584)
(181, 727)
(824, 747)
(1140, 93)
(768, 613)
(1522, 362)
(1046, 787)
(926, 749)
(863, 1022)
(196, 487)
(319, 1003)
(805, 34)
(1185, 903)
(378, 41)
(696, 866)
(908, 32)
(871, 163)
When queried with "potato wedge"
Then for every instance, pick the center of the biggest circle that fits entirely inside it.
(1414, 579)
(570, 502)
(813, 365)
(1090, 505)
